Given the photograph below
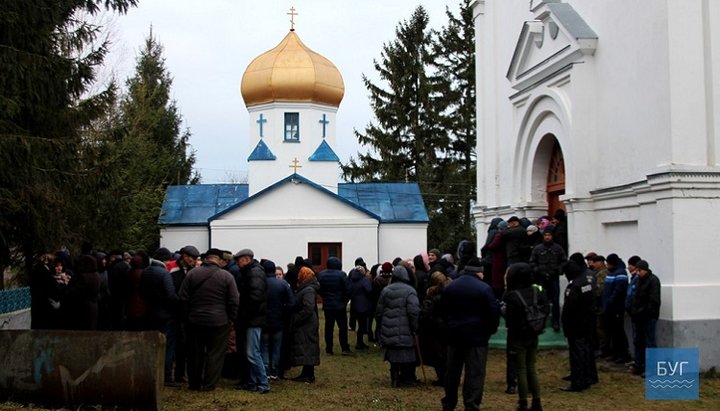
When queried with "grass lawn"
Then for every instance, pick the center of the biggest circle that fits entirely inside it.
(363, 383)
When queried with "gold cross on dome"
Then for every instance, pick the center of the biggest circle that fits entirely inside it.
(292, 15)
(295, 165)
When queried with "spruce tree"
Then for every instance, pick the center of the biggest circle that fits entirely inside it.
(407, 137)
(424, 129)
(46, 69)
(454, 60)
(154, 145)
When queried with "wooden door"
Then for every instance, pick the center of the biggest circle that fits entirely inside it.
(556, 180)
(320, 252)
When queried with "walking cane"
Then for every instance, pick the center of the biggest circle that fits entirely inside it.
(422, 364)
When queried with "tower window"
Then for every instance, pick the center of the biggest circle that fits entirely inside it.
(292, 127)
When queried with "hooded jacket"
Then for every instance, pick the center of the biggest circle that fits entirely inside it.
(158, 292)
(280, 300)
(398, 311)
(519, 278)
(253, 295)
(578, 310)
(334, 285)
(360, 290)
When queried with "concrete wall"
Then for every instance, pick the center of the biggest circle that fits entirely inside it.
(16, 320)
(73, 368)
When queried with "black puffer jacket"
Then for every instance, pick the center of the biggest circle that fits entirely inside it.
(398, 311)
(253, 295)
(305, 331)
(645, 304)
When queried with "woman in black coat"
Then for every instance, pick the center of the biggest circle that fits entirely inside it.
(305, 349)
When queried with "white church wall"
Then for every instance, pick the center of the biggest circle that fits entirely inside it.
(266, 172)
(296, 201)
(280, 224)
(175, 238)
(638, 125)
(283, 240)
(401, 240)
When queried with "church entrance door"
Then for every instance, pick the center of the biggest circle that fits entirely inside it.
(320, 252)
(556, 180)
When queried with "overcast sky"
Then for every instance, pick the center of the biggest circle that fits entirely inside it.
(208, 45)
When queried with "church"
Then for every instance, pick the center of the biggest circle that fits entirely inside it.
(611, 111)
(294, 203)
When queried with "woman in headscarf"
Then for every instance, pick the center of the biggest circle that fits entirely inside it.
(305, 326)
(398, 313)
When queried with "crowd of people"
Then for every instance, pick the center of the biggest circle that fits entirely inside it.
(246, 318)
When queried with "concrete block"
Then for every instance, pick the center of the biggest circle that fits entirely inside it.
(72, 368)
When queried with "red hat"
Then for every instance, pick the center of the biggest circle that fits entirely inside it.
(387, 267)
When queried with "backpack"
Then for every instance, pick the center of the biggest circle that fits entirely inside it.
(535, 314)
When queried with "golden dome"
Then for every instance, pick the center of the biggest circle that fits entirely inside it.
(292, 72)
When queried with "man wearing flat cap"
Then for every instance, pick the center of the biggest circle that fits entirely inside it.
(211, 300)
(252, 285)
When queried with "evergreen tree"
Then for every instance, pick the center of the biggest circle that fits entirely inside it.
(46, 69)
(425, 121)
(407, 137)
(454, 52)
(154, 146)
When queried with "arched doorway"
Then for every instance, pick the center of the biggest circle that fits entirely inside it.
(555, 180)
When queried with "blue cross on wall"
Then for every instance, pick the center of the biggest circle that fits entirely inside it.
(324, 122)
(260, 121)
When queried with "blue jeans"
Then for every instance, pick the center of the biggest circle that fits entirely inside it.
(271, 344)
(258, 376)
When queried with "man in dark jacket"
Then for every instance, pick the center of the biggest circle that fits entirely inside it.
(546, 260)
(210, 298)
(252, 286)
(360, 305)
(161, 300)
(472, 314)
(515, 241)
(186, 262)
(613, 302)
(280, 300)
(335, 292)
(577, 321)
(644, 311)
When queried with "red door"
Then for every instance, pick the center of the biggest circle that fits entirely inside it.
(556, 180)
(320, 252)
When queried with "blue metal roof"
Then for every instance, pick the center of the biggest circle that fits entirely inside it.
(261, 152)
(324, 153)
(194, 204)
(393, 202)
(201, 203)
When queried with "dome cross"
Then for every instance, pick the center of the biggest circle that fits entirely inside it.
(292, 15)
